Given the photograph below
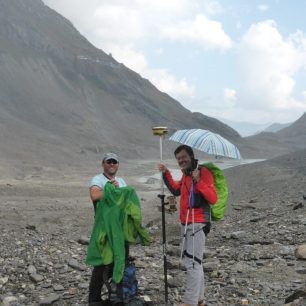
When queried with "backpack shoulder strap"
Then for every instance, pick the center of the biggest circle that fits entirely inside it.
(205, 205)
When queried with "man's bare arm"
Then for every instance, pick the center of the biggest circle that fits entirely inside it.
(95, 193)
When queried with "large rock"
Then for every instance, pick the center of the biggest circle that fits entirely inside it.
(300, 252)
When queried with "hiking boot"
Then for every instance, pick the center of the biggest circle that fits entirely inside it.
(113, 292)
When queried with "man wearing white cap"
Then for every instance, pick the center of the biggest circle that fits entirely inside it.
(100, 274)
(110, 165)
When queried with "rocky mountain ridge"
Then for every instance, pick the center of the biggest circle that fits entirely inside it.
(268, 144)
(62, 100)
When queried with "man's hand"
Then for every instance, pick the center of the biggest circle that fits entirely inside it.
(114, 182)
(196, 175)
(162, 168)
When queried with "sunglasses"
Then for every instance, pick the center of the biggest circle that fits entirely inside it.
(111, 161)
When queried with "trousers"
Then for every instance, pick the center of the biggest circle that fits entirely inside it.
(100, 276)
(193, 256)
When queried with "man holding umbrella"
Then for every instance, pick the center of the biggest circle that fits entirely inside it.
(197, 192)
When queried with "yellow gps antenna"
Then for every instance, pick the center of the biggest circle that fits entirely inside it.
(161, 131)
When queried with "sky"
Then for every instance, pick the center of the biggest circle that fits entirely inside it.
(241, 60)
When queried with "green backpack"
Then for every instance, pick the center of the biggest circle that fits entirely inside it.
(218, 210)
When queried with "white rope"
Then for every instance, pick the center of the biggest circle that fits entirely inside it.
(185, 228)
(193, 234)
(184, 235)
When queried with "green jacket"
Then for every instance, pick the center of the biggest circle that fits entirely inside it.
(117, 220)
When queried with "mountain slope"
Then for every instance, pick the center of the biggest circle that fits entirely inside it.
(296, 130)
(245, 128)
(267, 144)
(62, 99)
(275, 127)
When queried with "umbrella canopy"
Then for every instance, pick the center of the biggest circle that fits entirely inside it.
(207, 142)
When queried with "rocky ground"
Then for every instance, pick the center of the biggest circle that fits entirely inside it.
(255, 256)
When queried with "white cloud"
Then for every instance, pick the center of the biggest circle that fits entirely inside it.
(269, 68)
(161, 78)
(118, 21)
(120, 28)
(129, 57)
(205, 32)
(177, 7)
(230, 96)
(213, 7)
(166, 82)
(253, 116)
(263, 7)
(269, 63)
(118, 24)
